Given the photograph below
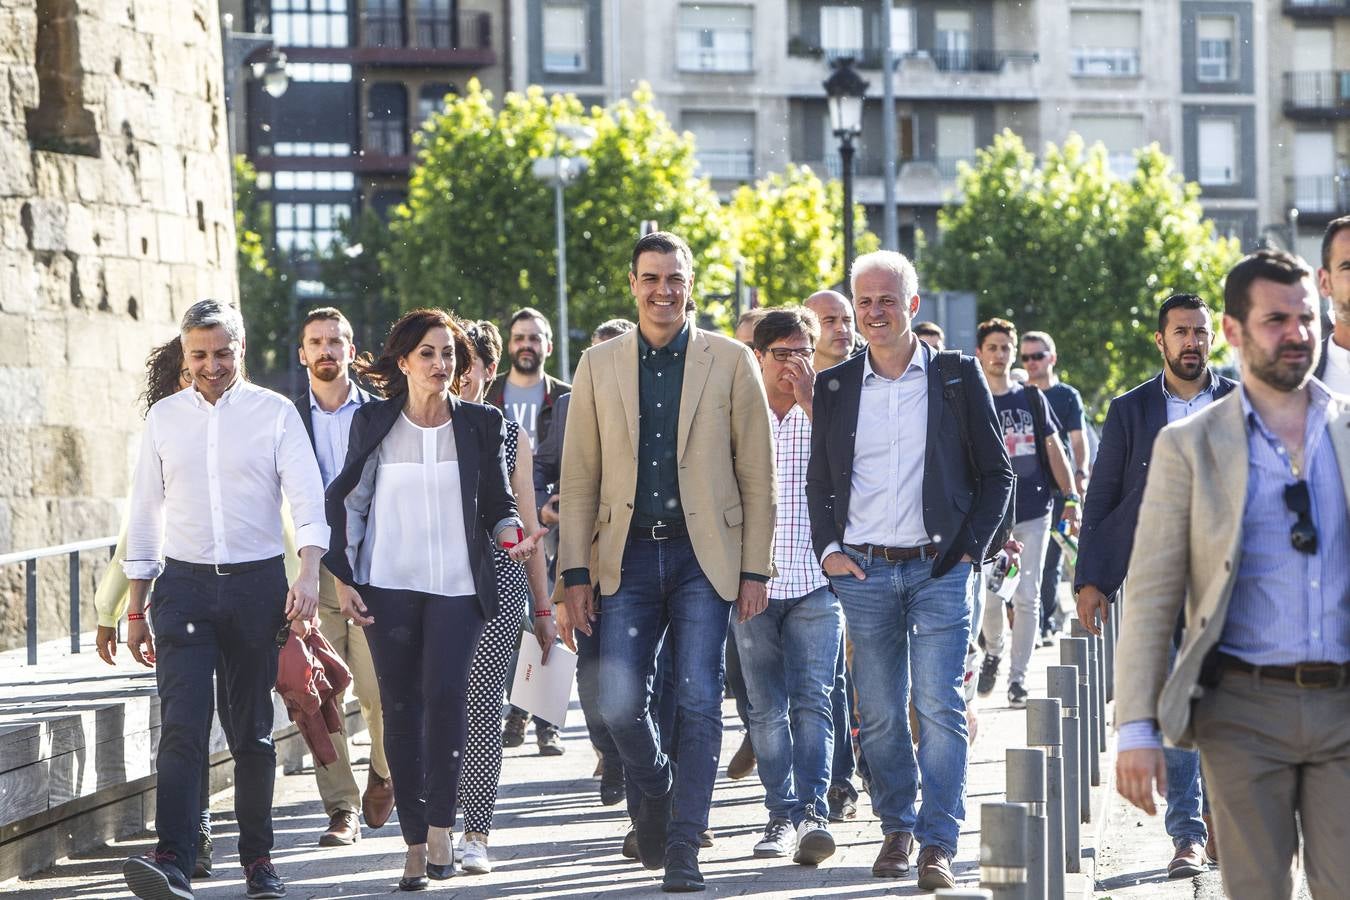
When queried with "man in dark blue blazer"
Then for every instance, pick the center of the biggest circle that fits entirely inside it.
(1185, 386)
(907, 483)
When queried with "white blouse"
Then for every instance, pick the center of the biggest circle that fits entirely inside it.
(415, 536)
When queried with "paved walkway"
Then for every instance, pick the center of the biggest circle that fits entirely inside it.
(554, 839)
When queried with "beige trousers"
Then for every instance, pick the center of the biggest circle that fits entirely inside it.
(1273, 753)
(337, 783)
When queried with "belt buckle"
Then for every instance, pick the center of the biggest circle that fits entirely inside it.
(657, 537)
(216, 567)
(1312, 667)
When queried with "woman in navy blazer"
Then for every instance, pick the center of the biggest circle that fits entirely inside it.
(422, 495)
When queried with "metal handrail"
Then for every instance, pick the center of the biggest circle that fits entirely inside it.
(29, 558)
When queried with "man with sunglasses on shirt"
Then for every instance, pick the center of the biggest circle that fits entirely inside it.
(1244, 522)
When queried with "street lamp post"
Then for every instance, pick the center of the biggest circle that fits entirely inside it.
(270, 69)
(846, 90)
(560, 170)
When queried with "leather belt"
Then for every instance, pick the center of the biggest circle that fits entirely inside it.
(223, 568)
(895, 554)
(661, 532)
(1305, 675)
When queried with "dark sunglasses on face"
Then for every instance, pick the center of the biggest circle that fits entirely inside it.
(783, 354)
(1037, 356)
(1303, 536)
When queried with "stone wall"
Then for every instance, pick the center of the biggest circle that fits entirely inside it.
(115, 215)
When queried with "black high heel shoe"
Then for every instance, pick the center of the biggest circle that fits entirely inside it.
(439, 872)
(416, 883)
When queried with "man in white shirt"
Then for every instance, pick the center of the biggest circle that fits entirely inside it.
(205, 526)
(326, 408)
(789, 652)
(1333, 280)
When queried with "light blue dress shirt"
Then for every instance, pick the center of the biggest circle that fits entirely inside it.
(331, 431)
(1178, 409)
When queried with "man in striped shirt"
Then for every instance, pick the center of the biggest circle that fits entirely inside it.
(788, 653)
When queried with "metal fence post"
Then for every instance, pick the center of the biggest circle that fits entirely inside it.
(1063, 686)
(1074, 652)
(1043, 732)
(1109, 649)
(1026, 785)
(74, 601)
(1095, 696)
(1003, 850)
(30, 600)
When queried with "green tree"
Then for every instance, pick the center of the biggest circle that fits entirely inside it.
(786, 228)
(1071, 249)
(358, 279)
(477, 231)
(264, 281)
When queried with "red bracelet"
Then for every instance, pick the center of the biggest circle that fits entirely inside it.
(520, 536)
(135, 617)
(542, 613)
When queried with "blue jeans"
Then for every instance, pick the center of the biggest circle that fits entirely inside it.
(910, 631)
(841, 710)
(789, 654)
(1186, 799)
(664, 594)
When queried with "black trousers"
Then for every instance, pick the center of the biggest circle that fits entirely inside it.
(422, 646)
(201, 621)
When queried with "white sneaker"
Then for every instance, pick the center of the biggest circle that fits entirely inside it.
(814, 842)
(475, 859)
(774, 843)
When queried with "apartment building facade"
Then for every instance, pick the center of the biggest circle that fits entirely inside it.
(745, 77)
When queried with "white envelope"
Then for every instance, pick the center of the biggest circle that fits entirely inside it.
(544, 690)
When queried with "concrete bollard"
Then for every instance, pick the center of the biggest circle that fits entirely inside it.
(1109, 651)
(1026, 785)
(1063, 687)
(1003, 850)
(1074, 652)
(1096, 696)
(1044, 733)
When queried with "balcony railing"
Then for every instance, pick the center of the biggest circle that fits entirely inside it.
(1317, 7)
(1318, 93)
(382, 30)
(386, 137)
(1319, 195)
(695, 57)
(470, 30)
(945, 60)
(738, 165)
(1106, 62)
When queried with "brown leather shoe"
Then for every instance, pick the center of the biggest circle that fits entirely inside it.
(343, 830)
(377, 804)
(1211, 842)
(743, 763)
(893, 860)
(935, 869)
(1188, 862)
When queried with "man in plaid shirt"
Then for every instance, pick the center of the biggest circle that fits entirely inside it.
(788, 652)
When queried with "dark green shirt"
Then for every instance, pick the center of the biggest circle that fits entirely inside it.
(660, 381)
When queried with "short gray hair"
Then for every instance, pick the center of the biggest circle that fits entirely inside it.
(886, 261)
(209, 313)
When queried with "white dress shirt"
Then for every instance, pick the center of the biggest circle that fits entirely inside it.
(208, 484)
(885, 504)
(414, 536)
(1337, 374)
(331, 432)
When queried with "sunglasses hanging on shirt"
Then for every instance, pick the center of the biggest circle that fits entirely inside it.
(1303, 536)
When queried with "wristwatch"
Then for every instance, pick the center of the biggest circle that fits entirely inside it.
(1072, 498)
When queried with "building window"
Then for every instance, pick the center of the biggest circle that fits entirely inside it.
(902, 29)
(285, 180)
(724, 143)
(435, 20)
(565, 31)
(1105, 44)
(383, 23)
(716, 38)
(323, 73)
(387, 120)
(431, 99)
(1120, 135)
(951, 45)
(841, 31)
(1214, 45)
(955, 143)
(307, 148)
(310, 23)
(1216, 150)
(309, 227)
(384, 203)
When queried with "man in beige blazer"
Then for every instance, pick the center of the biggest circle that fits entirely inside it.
(1244, 520)
(668, 467)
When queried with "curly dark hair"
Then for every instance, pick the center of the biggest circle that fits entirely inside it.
(163, 373)
(486, 341)
(383, 372)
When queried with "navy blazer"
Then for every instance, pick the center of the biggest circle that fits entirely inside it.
(961, 508)
(480, 434)
(1116, 488)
